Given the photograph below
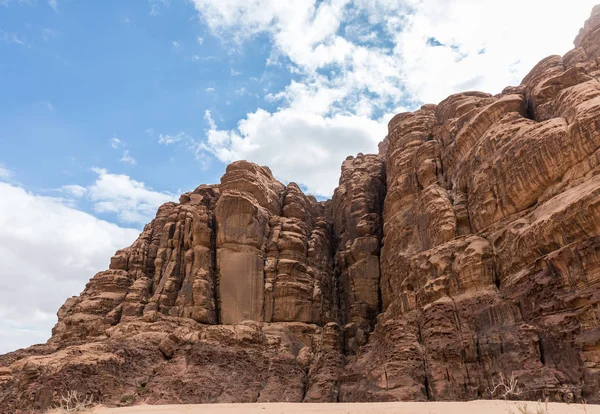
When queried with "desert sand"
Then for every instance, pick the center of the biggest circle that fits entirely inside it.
(487, 407)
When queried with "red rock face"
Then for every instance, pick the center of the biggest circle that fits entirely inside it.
(491, 249)
(357, 225)
(467, 249)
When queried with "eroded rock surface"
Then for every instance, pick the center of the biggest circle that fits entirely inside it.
(491, 242)
(466, 250)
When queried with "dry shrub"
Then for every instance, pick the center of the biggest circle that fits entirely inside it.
(72, 402)
(505, 388)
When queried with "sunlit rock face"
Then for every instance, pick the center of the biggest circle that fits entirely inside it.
(467, 249)
(490, 257)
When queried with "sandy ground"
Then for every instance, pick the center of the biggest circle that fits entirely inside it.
(475, 407)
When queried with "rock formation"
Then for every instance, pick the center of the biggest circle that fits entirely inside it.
(466, 250)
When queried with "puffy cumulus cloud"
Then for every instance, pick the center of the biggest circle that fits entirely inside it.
(300, 147)
(130, 200)
(446, 47)
(430, 45)
(331, 110)
(310, 34)
(357, 62)
(52, 249)
(73, 190)
(48, 252)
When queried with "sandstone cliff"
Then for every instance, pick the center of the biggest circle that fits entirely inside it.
(467, 249)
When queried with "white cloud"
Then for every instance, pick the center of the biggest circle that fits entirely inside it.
(354, 63)
(156, 5)
(127, 158)
(130, 200)
(14, 38)
(115, 142)
(298, 146)
(53, 4)
(176, 46)
(199, 149)
(209, 120)
(200, 40)
(5, 173)
(209, 90)
(74, 190)
(331, 109)
(48, 252)
(166, 139)
(47, 34)
(484, 45)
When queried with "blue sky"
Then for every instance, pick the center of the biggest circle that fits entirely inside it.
(110, 108)
(71, 84)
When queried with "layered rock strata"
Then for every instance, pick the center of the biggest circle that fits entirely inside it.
(466, 251)
(491, 251)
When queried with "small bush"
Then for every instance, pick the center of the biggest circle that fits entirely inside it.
(142, 388)
(127, 399)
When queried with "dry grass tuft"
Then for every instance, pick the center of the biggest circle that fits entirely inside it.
(539, 409)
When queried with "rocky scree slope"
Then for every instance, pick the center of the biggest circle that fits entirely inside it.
(467, 249)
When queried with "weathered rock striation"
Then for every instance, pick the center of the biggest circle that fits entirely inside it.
(466, 250)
